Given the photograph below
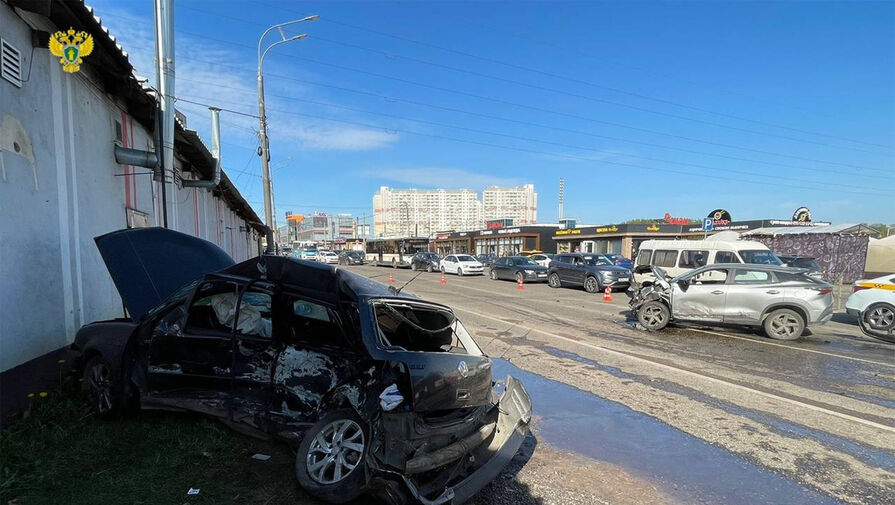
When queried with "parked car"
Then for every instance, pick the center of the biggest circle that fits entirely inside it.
(486, 259)
(873, 302)
(428, 261)
(591, 271)
(814, 269)
(676, 257)
(619, 260)
(352, 258)
(781, 300)
(376, 391)
(461, 264)
(518, 268)
(327, 257)
(542, 259)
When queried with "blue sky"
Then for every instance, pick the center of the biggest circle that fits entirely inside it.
(644, 107)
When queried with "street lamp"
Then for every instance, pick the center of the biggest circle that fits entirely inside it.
(265, 148)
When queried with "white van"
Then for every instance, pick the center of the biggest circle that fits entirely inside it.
(680, 256)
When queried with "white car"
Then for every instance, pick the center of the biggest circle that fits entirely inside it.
(873, 302)
(542, 259)
(327, 257)
(462, 264)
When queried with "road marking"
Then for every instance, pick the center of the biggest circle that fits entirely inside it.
(715, 380)
(881, 363)
(612, 306)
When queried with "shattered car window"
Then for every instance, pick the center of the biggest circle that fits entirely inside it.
(421, 328)
(312, 324)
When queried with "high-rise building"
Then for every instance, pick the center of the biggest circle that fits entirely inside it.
(415, 212)
(517, 203)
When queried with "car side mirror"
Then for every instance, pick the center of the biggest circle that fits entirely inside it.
(684, 285)
(641, 269)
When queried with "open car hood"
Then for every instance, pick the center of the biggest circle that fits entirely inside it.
(148, 264)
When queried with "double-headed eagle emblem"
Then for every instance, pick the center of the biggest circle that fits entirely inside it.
(70, 46)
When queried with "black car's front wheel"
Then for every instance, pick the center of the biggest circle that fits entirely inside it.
(429, 268)
(103, 388)
(330, 459)
(591, 285)
(553, 280)
(493, 275)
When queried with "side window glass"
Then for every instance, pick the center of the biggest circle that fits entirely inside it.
(752, 277)
(510, 263)
(254, 315)
(644, 256)
(665, 258)
(213, 309)
(310, 323)
(693, 259)
(726, 257)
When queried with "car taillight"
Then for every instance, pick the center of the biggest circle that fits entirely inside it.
(858, 288)
(822, 291)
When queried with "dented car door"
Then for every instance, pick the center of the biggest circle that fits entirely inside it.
(700, 297)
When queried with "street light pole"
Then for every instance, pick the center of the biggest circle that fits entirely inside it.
(265, 148)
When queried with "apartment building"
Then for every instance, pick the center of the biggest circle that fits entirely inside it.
(415, 212)
(517, 203)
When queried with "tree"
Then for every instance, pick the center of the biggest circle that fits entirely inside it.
(883, 230)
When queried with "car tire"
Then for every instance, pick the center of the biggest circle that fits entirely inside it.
(520, 278)
(879, 316)
(554, 281)
(653, 316)
(317, 447)
(413, 267)
(429, 268)
(591, 284)
(394, 263)
(442, 269)
(103, 388)
(493, 275)
(784, 324)
(459, 272)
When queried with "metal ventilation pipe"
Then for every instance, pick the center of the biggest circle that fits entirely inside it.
(215, 151)
(164, 47)
(136, 157)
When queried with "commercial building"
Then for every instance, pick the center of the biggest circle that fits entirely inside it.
(319, 227)
(517, 203)
(499, 241)
(61, 185)
(415, 212)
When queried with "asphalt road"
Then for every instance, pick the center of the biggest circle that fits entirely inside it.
(685, 415)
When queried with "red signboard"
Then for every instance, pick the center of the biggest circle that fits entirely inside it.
(681, 221)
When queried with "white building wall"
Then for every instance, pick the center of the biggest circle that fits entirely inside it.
(400, 212)
(51, 208)
(517, 203)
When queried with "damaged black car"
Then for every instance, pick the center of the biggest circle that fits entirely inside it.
(378, 392)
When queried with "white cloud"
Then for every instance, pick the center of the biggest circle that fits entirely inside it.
(325, 137)
(436, 177)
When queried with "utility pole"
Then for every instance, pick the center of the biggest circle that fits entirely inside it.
(562, 191)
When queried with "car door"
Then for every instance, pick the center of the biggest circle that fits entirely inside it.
(751, 291)
(254, 354)
(498, 266)
(576, 271)
(560, 266)
(700, 297)
(190, 350)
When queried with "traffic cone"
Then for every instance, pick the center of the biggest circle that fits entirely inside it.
(390, 279)
(607, 294)
(442, 281)
(521, 284)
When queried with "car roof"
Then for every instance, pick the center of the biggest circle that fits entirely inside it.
(752, 266)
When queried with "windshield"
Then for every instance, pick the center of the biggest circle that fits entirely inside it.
(178, 296)
(464, 257)
(429, 256)
(596, 260)
(809, 263)
(758, 257)
(308, 248)
(423, 328)
(522, 261)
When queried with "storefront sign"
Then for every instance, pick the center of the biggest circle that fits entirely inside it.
(681, 221)
(607, 229)
(652, 227)
(441, 236)
(569, 232)
(510, 230)
(802, 215)
(721, 217)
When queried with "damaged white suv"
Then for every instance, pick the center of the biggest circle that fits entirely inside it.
(378, 392)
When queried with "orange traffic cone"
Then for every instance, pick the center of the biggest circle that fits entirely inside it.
(607, 294)
(390, 279)
(442, 281)
(520, 284)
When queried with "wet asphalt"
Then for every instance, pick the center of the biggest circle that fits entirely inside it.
(686, 415)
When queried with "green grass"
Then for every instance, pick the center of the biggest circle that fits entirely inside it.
(59, 453)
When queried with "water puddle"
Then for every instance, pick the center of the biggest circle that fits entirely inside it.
(680, 465)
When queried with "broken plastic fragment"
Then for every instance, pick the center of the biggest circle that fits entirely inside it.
(390, 398)
(260, 457)
(192, 491)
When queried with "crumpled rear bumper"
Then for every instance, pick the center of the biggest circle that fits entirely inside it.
(514, 416)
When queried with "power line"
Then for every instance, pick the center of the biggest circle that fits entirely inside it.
(559, 144)
(563, 155)
(179, 99)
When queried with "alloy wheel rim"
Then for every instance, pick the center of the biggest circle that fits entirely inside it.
(784, 325)
(881, 317)
(100, 387)
(554, 280)
(335, 452)
(653, 316)
(591, 284)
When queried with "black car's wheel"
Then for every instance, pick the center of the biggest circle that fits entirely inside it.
(591, 284)
(553, 280)
(429, 268)
(330, 459)
(653, 315)
(103, 388)
(519, 278)
(413, 266)
(493, 275)
(394, 263)
(784, 324)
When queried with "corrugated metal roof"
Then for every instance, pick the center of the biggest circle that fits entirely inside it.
(804, 230)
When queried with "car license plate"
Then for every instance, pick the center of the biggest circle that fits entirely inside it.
(622, 279)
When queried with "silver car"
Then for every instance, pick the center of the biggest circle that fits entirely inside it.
(782, 300)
